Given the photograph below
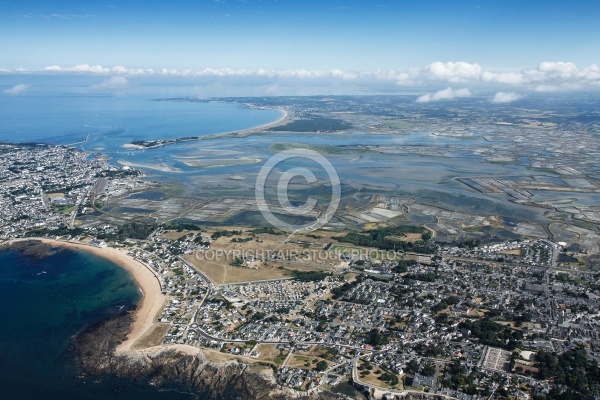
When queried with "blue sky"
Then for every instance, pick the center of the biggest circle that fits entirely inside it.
(355, 39)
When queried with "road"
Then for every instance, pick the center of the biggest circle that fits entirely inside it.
(393, 391)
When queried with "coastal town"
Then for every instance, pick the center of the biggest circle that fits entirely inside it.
(389, 308)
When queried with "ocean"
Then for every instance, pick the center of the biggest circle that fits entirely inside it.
(110, 121)
(45, 301)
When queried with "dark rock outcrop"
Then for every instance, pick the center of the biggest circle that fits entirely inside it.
(94, 350)
(33, 249)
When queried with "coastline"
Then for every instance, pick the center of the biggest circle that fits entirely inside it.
(152, 297)
(158, 167)
(285, 118)
(100, 349)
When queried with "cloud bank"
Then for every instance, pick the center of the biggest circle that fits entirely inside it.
(547, 76)
(17, 89)
(445, 94)
(505, 97)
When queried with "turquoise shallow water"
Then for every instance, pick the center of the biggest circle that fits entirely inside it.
(44, 302)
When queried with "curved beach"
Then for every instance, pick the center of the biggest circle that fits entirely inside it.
(285, 118)
(152, 297)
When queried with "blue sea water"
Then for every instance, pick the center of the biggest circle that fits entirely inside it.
(111, 120)
(44, 303)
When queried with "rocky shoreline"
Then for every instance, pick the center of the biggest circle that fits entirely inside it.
(94, 352)
(33, 248)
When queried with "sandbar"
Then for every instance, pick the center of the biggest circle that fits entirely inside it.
(160, 167)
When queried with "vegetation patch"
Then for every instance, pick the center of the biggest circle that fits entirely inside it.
(314, 124)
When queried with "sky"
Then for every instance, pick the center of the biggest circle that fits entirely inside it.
(387, 45)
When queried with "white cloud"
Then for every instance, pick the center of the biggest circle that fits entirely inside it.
(118, 69)
(506, 97)
(112, 84)
(95, 69)
(511, 78)
(445, 94)
(17, 89)
(53, 68)
(453, 71)
(562, 76)
(556, 75)
(548, 75)
(212, 72)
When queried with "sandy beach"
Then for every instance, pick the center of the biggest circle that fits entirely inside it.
(285, 118)
(152, 300)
